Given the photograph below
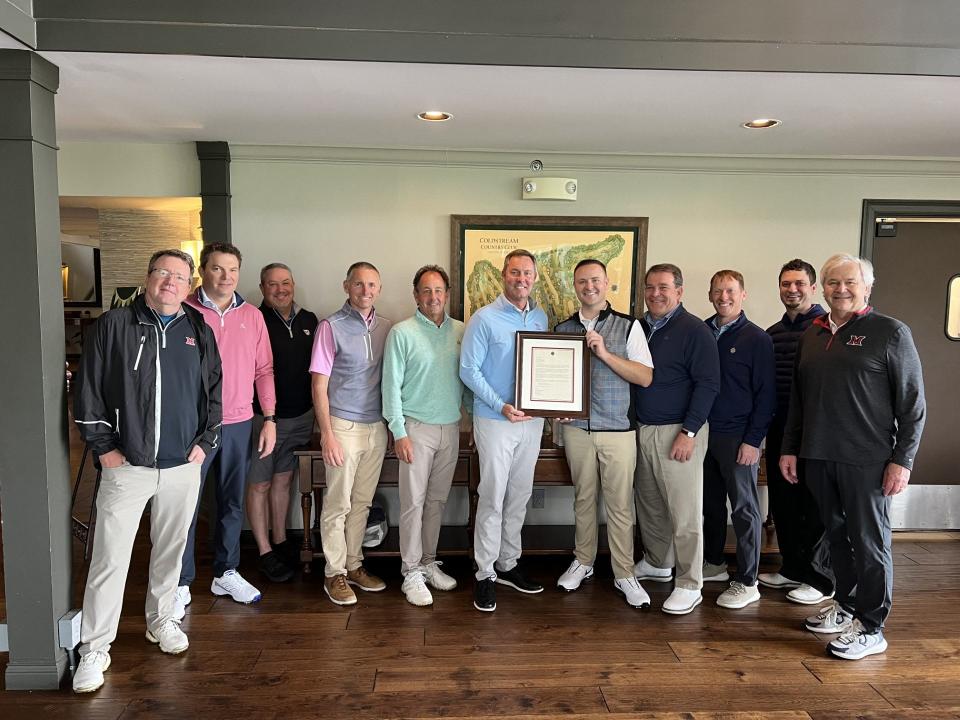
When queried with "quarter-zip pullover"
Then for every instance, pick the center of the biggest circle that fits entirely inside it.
(245, 354)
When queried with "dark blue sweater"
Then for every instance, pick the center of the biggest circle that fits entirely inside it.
(786, 334)
(748, 395)
(686, 374)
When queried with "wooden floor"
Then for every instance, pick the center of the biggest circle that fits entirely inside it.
(584, 655)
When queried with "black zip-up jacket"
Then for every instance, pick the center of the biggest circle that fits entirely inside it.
(116, 393)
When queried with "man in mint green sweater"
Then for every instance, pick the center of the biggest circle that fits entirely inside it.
(422, 395)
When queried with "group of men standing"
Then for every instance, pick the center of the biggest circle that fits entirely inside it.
(679, 407)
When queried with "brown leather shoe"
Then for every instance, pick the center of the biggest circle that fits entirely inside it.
(338, 591)
(365, 581)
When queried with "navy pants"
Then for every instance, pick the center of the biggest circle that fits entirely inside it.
(228, 466)
(723, 477)
(856, 516)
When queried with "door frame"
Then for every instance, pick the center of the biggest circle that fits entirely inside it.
(873, 209)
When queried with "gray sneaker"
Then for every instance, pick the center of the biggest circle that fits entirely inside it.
(831, 619)
(715, 573)
(857, 643)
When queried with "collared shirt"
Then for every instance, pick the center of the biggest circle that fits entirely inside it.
(208, 303)
(719, 330)
(324, 348)
(637, 348)
(656, 324)
(834, 327)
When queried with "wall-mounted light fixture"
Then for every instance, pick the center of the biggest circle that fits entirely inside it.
(65, 280)
(548, 188)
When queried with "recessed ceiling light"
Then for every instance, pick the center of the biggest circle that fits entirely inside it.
(761, 124)
(434, 116)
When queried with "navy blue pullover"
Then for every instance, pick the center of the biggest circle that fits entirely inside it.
(747, 396)
(786, 334)
(686, 375)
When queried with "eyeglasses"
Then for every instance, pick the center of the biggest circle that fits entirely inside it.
(163, 274)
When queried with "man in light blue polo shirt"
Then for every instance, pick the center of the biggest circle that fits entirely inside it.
(508, 441)
(422, 395)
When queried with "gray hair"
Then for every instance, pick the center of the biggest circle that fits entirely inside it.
(274, 266)
(178, 254)
(835, 261)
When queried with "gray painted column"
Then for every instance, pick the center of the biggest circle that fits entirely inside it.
(34, 454)
(215, 191)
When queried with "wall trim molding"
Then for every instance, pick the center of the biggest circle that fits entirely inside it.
(561, 162)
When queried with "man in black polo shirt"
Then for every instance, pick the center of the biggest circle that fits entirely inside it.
(857, 411)
(291, 330)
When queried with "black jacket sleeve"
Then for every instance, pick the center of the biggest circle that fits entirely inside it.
(906, 388)
(95, 420)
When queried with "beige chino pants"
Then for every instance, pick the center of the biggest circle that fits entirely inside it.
(123, 495)
(350, 489)
(424, 488)
(603, 462)
(670, 503)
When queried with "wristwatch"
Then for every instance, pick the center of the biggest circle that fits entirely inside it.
(270, 418)
(688, 433)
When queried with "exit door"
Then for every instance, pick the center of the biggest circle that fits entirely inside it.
(914, 270)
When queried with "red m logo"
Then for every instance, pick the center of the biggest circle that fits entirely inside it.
(856, 340)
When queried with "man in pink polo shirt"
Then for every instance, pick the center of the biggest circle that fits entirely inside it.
(247, 360)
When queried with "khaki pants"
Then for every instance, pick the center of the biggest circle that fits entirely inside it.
(350, 489)
(424, 487)
(123, 495)
(604, 461)
(670, 502)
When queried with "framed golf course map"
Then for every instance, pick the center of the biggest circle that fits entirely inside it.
(480, 242)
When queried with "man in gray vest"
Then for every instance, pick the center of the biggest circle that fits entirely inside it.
(602, 450)
(347, 363)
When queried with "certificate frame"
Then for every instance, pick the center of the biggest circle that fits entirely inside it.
(478, 244)
(554, 400)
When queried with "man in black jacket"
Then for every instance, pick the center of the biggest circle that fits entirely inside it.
(148, 405)
(291, 330)
(857, 411)
(805, 572)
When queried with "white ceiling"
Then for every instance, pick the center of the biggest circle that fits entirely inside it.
(164, 98)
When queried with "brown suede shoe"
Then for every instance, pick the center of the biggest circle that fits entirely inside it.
(365, 581)
(338, 591)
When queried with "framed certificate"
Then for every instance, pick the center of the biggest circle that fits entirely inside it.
(553, 375)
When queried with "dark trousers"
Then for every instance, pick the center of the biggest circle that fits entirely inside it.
(723, 477)
(803, 546)
(228, 465)
(856, 516)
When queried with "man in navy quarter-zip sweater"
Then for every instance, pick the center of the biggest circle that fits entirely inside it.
(738, 423)
(672, 439)
(857, 411)
(150, 438)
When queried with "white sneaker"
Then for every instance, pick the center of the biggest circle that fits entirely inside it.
(632, 592)
(715, 573)
(857, 643)
(181, 599)
(415, 589)
(776, 581)
(232, 583)
(807, 595)
(645, 571)
(682, 601)
(437, 578)
(170, 637)
(89, 674)
(831, 619)
(574, 575)
(738, 596)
